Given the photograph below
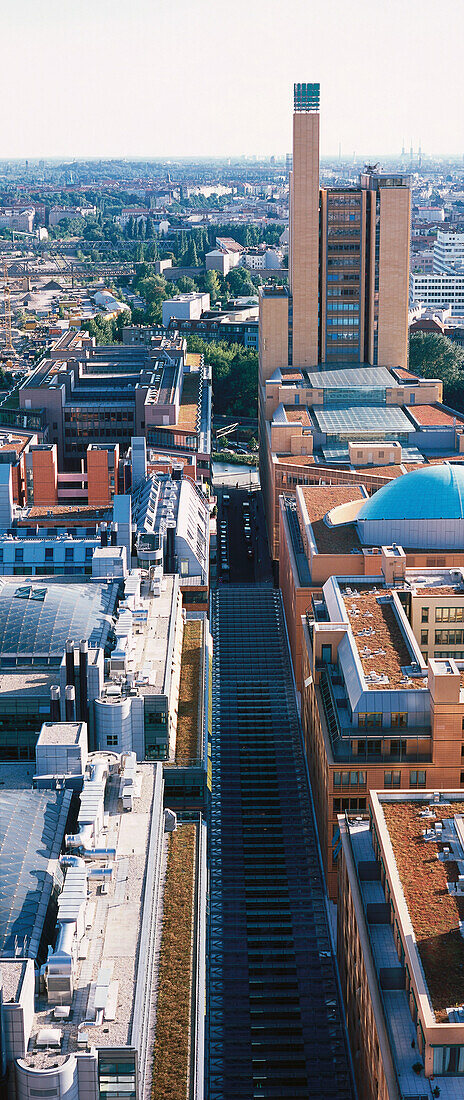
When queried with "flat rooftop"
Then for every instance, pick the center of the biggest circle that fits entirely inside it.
(428, 876)
(435, 417)
(61, 733)
(149, 656)
(13, 971)
(298, 414)
(402, 1034)
(188, 724)
(113, 926)
(189, 410)
(378, 636)
(320, 499)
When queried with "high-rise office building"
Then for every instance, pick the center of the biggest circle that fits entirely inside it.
(347, 299)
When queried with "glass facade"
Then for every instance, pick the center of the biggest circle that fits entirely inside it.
(343, 277)
(117, 1075)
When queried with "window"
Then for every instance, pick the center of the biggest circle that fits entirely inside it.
(112, 740)
(425, 615)
(337, 779)
(326, 654)
(424, 637)
(449, 637)
(374, 748)
(449, 614)
(369, 721)
(69, 553)
(392, 779)
(19, 553)
(184, 568)
(417, 779)
(49, 553)
(398, 748)
(88, 553)
(448, 1060)
(399, 719)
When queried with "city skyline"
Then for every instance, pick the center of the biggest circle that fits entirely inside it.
(131, 68)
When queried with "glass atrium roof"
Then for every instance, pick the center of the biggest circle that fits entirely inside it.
(363, 419)
(32, 827)
(371, 377)
(37, 619)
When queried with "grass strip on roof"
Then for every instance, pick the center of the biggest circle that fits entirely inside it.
(189, 693)
(172, 1031)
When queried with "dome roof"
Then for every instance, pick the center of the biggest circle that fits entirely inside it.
(433, 492)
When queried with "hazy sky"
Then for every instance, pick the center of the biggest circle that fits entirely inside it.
(186, 77)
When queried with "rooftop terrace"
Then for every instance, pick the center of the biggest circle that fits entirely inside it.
(379, 640)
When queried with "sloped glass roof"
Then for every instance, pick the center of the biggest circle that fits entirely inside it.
(37, 619)
(389, 418)
(32, 827)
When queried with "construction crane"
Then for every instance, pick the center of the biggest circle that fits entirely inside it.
(8, 351)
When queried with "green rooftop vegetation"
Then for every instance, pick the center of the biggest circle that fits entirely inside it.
(173, 1013)
(189, 693)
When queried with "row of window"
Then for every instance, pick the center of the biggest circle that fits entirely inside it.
(444, 614)
(346, 307)
(374, 719)
(49, 554)
(449, 637)
(349, 779)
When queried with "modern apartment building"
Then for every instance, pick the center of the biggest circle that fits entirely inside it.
(346, 307)
(400, 941)
(382, 702)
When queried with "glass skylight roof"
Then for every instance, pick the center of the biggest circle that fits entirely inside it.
(371, 377)
(363, 419)
(37, 619)
(32, 826)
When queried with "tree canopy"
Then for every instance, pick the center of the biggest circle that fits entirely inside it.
(432, 355)
(235, 375)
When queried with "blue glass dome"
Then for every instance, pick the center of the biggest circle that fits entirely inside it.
(433, 492)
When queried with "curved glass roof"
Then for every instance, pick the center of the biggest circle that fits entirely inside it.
(433, 492)
(37, 619)
(32, 827)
